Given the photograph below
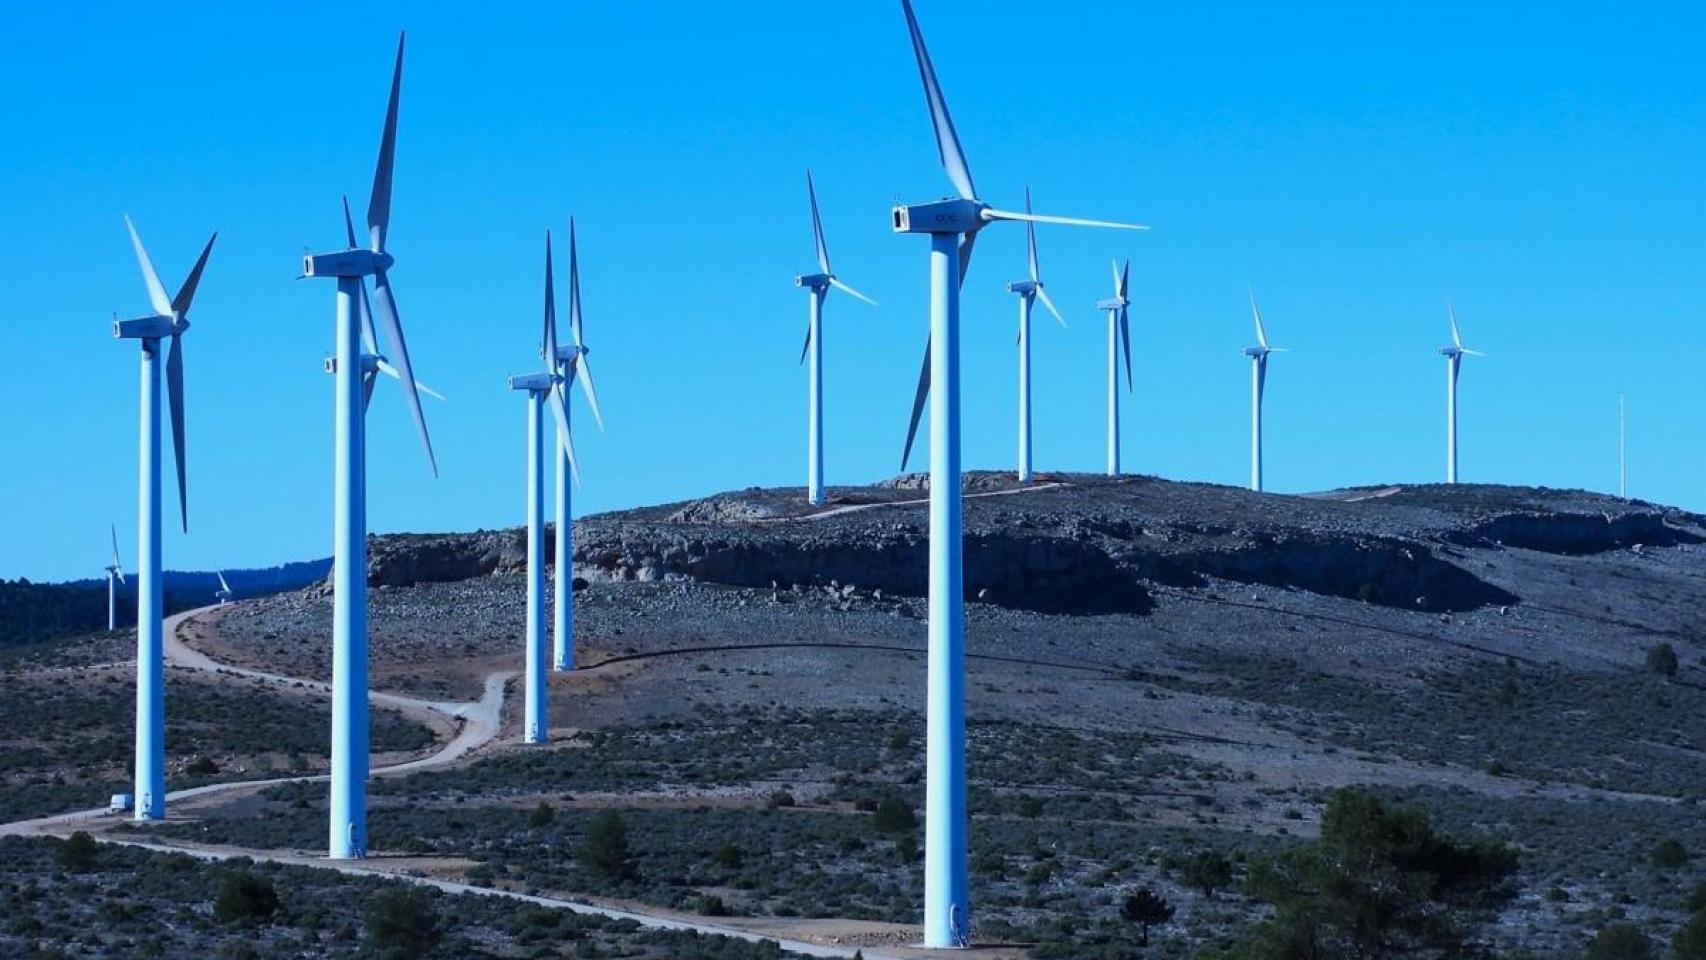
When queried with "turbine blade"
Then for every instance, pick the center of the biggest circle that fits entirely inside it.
(386, 368)
(379, 205)
(817, 227)
(804, 347)
(365, 307)
(548, 340)
(156, 292)
(991, 213)
(917, 406)
(368, 379)
(1125, 280)
(947, 140)
(1451, 313)
(116, 564)
(1031, 238)
(574, 287)
(1472, 353)
(560, 413)
(186, 293)
(1261, 331)
(837, 284)
(175, 400)
(1125, 342)
(399, 351)
(222, 584)
(1044, 297)
(349, 225)
(585, 370)
(965, 255)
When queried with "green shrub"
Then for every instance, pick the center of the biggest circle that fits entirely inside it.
(542, 815)
(402, 924)
(79, 852)
(1145, 908)
(1689, 941)
(1662, 660)
(244, 898)
(1208, 871)
(605, 850)
(894, 815)
(1620, 941)
(1668, 854)
(1696, 899)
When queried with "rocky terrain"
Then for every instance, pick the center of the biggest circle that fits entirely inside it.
(1157, 673)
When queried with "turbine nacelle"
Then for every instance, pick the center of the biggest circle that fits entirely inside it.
(1026, 288)
(346, 263)
(534, 382)
(942, 216)
(1114, 303)
(570, 352)
(816, 282)
(147, 328)
(1257, 353)
(1451, 351)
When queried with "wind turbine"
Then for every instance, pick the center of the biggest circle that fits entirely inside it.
(1119, 333)
(819, 284)
(1029, 291)
(539, 387)
(1622, 458)
(1453, 355)
(354, 369)
(223, 594)
(572, 364)
(170, 319)
(1258, 381)
(953, 225)
(115, 576)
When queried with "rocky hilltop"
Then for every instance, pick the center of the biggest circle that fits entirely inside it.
(1082, 544)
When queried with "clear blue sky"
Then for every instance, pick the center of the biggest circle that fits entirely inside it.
(1356, 163)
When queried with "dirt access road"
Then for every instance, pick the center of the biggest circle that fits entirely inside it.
(472, 726)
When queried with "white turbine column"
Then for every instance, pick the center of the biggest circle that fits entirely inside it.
(1258, 371)
(1451, 362)
(947, 903)
(1113, 396)
(112, 602)
(1025, 387)
(563, 632)
(348, 822)
(150, 653)
(1622, 453)
(533, 722)
(814, 445)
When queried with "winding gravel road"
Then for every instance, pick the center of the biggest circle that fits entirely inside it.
(477, 724)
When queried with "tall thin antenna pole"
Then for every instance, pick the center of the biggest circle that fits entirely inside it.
(1622, 452)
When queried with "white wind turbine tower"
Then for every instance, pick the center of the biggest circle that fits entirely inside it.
(1119, 334)
(572, 364)
(819, 284)
(115, 576)
(1453, 355)
(540, 387)
(952, 225)
(1622, 455)
(1029, 291)
(1258, 383)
